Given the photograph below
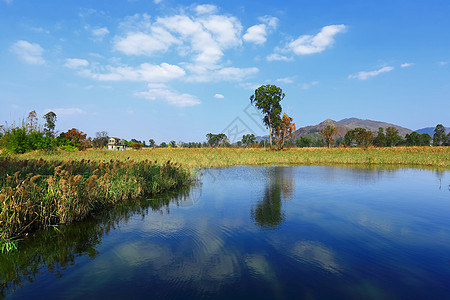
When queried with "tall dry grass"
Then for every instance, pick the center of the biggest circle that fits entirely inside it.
(224, 157)
(38, 193)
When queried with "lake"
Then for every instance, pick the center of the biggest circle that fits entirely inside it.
(305, 232)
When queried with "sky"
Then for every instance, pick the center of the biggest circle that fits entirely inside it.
(177, 70)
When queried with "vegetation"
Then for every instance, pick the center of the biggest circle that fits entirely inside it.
(226, 157)
(37, 193)
(328, 134)
(267, 99)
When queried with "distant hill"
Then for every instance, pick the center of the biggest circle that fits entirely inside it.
(348, 124)
(430, 130)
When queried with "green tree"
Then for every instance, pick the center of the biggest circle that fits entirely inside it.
(392, 137)
(363, 137)
(216, 140)
(349, 138)
(267, 99)
(101, 139)
(425, 139)
(327, 133)
(172, 144)
(248, 140)
(151, 143)
(413, 139)
(50, 123)
(303, 141)
(380, 139)
(163, 145)
(439, 137)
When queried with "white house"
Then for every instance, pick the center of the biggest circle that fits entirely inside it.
(116, 144)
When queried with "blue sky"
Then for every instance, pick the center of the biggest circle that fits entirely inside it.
(173, 70)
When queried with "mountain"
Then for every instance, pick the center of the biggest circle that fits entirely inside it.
(430, 130)
(347, 124)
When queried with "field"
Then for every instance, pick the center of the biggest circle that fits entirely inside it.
(225, 157)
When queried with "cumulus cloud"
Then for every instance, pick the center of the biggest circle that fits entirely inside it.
(258, 33)
(139, 43)
(406, 65)
(364, 75)
(30, 53)
(219, 96)
(145, 72)
(309, 44)
(100, 33)
(202, 38)
(278, 57)
(172, 97)
(205, 9)
(74, 63)
(287, 80)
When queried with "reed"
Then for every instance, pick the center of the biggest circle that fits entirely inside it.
(37, 193)
(225, 157)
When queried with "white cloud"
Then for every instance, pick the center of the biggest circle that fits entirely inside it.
(100, 33)
(406, 65)
(66, 111)
(8, 1)
(145, 72)
(258, 33)
(307, 86)
(363, 75)
(219, 96)
(206, 9)
(29, 52)
(157, 1)
(287, 80)
(222, 74)
(172, 97)
(202, 39)
(139, 43)
(309, 44)
(278, 57)
(442, 63)
(74, 63)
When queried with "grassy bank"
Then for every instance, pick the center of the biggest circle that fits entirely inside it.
(37, 193)
(224, 157)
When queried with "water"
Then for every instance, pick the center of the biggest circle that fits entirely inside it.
(254, 233)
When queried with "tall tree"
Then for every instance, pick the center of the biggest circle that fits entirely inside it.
(363, 137)
(327, 133)
(101, 139)
(248, 139)
(392, 137)
(50, 123)
(285, 131)
(32, 121)
(215, 140)
(439, 136)
(380, 139)
(151, 143)
(267, 99)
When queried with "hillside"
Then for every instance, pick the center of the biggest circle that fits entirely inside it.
(347, 124)
(430, 130)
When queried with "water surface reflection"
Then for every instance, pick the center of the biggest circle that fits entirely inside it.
(255, 232)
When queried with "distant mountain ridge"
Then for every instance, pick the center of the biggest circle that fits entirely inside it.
(430, 130)
(347, 124)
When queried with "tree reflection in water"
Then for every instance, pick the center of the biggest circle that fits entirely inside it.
(56, 249)
(280, 186)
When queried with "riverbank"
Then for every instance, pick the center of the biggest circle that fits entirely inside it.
(226, 157)
(38, 193)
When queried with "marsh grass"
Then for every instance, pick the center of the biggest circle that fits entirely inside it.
(225, 157)
(37, 193)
